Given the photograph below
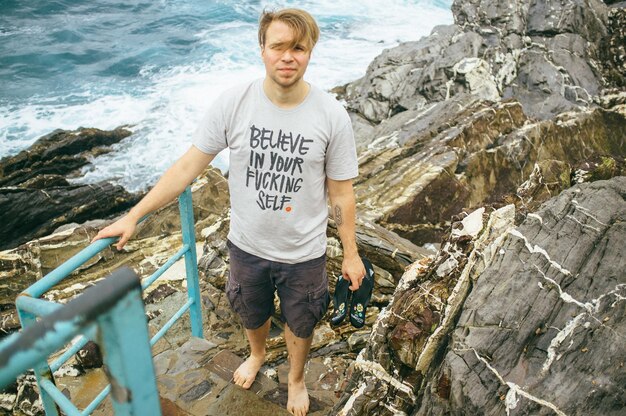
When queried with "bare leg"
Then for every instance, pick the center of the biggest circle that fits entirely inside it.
(298, 349)
(246, 373)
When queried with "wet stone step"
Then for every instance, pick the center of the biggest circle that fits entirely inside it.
(191, 384)
(265, 396)
(196, 380)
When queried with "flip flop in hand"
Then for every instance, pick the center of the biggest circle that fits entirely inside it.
(361, 297)
(340, 301)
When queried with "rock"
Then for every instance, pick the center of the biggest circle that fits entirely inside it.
(35, 196)
(61, 153)
(159, 293)
(544, 55)
(598, 168)
(521, 321)
(195, 392)
(32, 213)
(358, 340)
(27, 398)
(451, 158)
(89, 356)
(550, 331)
(405, 77)
(476, 74)
(613, 48)
(548, 178)
(408, 333)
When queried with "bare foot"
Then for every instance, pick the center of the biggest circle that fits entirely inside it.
(246, 373)
(297, 398)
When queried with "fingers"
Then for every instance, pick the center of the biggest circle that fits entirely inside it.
(104, 233)
(356, 282)
(108, 232)
(124, 228)
(98, 236)
(122, 241)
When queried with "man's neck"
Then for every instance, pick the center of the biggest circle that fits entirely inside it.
(286, 97)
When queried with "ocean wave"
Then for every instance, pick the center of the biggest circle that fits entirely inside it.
(159, 71)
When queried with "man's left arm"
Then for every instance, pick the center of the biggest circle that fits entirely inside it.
(343, 207)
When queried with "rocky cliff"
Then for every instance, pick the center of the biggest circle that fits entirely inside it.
(35, 195)
(521, 311)
(501, 141)
(508, 319)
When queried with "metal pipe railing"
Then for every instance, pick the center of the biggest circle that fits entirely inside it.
(29, 307)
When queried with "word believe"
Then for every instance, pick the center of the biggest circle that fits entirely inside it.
(267, 139)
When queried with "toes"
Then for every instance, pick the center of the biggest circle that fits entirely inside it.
(238, 379)
(247, 384)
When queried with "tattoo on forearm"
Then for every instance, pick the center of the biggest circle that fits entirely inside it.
(338, 217)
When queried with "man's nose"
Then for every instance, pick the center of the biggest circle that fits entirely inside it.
(287, 56)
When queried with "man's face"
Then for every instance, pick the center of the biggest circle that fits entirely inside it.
(284, 66)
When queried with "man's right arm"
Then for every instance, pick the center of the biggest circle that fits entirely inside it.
(172, 183)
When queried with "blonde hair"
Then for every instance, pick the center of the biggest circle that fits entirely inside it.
(305, 29)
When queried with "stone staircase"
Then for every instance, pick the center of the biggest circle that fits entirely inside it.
(193, 380)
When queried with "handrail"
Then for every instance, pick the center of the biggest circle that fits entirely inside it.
(29, 307)
(116, 307)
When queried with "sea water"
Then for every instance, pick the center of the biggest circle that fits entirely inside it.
(155, 66)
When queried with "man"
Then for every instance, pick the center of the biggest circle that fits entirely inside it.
(290, 143)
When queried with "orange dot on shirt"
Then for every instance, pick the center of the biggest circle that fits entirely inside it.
(288, 209)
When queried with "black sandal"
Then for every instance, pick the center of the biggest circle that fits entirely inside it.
(361, 297)
(340, 301)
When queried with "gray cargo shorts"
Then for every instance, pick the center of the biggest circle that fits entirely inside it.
(302, 289)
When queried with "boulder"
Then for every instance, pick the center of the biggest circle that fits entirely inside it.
(35, 196)
(29, 213)
(504, 320)
(429, 165)
(545, 55)
(59, 153)
(542, 330)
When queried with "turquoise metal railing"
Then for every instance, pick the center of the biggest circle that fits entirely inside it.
(29, 306)
(114, 306)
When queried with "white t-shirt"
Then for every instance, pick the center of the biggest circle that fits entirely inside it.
(279, 162)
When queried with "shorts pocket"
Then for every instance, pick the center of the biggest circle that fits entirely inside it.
(233, 293)
(318, 302)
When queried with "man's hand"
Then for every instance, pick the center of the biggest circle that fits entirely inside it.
(353, 270)
(171, 184)
(124, 227)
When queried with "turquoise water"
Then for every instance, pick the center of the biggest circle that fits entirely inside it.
(157, 65)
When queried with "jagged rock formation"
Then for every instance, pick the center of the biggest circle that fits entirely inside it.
(613, 48)
(58, 153)
(35, 196)
(443, 133)
(521, 106)
(543, 54)
(540, 328)
(452, 156)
